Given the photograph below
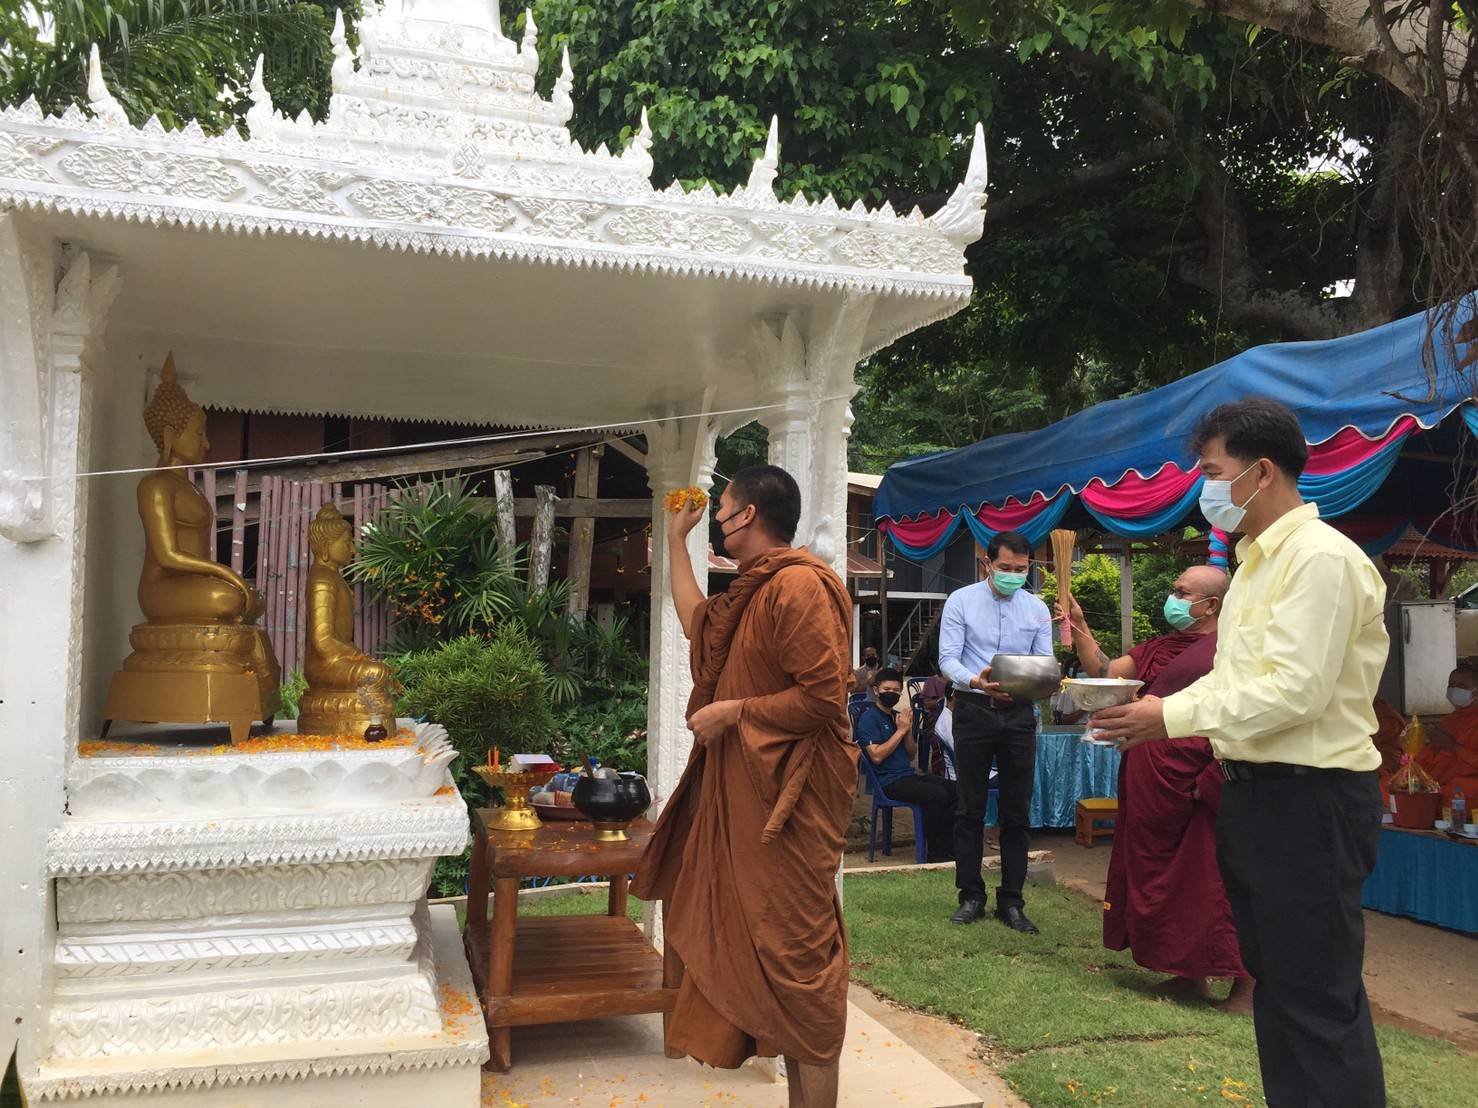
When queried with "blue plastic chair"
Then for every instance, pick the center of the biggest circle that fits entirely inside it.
(884, 806)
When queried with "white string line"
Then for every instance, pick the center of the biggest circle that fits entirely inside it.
(257, 463)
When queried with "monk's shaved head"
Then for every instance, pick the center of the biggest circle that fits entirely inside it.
(1205, 581)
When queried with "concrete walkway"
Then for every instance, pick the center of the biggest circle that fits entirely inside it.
(618, 1063)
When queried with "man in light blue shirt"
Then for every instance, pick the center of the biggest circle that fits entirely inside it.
(991, 617)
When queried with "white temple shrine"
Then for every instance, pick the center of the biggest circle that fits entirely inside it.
(438, 248)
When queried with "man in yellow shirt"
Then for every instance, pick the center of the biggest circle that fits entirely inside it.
(1287, 707)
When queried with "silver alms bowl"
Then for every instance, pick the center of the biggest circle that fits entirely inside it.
(1094, 694)
(1026, 676)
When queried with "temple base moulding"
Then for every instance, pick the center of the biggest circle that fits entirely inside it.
(442, 1068)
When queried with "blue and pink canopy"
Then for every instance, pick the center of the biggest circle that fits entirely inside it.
(1125, 466)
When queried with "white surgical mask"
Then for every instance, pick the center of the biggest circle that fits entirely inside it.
(1459, 698)
(1217, 506)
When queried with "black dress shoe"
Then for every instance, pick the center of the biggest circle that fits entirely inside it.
(1014, 918)
(969, 911)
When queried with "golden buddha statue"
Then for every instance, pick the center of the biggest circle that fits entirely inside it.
(197, 658)
(348, 691)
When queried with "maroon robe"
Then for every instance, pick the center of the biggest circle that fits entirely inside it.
(1165, 902)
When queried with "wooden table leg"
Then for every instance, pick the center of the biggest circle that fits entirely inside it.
(617, 903)
(500, 969)
(672, 978)
(477, 883)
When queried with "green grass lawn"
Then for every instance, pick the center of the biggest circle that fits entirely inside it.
(1075, 1024)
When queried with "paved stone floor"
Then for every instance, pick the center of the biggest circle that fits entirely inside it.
(618, 1063)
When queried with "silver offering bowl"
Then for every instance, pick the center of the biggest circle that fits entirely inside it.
(1026, 676)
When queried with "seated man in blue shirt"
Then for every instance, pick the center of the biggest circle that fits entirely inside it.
(884, 730)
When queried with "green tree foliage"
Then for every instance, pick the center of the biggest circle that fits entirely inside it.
(1152, 203)
(181, 60)
(1096, 586)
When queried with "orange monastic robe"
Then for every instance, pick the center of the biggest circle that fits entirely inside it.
(1387, 740)
(747, 849)
(1455, 767)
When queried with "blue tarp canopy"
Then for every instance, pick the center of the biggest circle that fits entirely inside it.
(1367, 381)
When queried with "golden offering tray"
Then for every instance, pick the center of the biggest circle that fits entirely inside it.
(515, 813)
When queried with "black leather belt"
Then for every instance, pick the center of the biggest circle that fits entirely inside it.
(985, 700)
(1267, 771)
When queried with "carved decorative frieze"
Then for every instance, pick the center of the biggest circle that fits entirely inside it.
(234, 1014)
(409, 829)
(316, 940)
(440, 127)
(196, 894)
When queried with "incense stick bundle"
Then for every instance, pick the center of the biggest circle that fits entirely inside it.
(1063, 543)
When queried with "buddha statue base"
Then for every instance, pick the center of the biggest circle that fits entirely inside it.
(333, 713)
(250, 927)
(195, 673)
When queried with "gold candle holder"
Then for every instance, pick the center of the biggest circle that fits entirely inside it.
(515, 813)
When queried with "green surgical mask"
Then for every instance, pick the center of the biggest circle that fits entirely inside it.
(1178, 613)
(1007, 583)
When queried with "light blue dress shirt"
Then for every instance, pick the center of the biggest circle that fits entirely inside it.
(978, 624)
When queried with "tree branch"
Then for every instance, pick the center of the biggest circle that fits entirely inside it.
(1229, 273)
(1341, 25)
(1380, 260)
(1087, 177)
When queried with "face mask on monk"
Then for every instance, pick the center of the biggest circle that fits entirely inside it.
(1178, 612)
(727, 535)
(1459, 698)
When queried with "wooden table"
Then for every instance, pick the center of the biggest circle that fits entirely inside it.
(553, 969)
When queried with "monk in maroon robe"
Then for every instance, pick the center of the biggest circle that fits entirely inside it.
(747, 849)
(1165, 902)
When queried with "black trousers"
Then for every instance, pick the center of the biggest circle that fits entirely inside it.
(936, 797)
(1008, 737)
(1294, 853)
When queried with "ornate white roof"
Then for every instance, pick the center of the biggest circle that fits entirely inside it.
(436, 141)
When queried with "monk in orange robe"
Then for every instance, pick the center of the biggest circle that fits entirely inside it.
(747, 849)
(1390, 725)
(1451, 753)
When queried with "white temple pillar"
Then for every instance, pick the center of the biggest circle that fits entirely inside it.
(48, 338)
(680, 453)
(809, 379)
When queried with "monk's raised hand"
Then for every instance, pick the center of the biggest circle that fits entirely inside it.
(709, 722)
(680, 522)
(1131, 725)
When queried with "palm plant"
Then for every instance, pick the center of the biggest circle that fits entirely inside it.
(181, 60)
(434, 556)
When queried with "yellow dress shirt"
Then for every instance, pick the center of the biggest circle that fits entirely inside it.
(1301, 643)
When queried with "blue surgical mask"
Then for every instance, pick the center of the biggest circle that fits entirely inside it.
(1007, 584)
(1217, 506)
(1178, 613)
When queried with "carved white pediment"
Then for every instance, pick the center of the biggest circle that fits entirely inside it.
(437, 141)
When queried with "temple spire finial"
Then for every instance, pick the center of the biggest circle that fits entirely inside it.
(962, 218)
(103, 103)
(766, 166)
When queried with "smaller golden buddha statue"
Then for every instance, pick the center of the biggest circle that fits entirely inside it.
(197, 658)
(348, 691)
